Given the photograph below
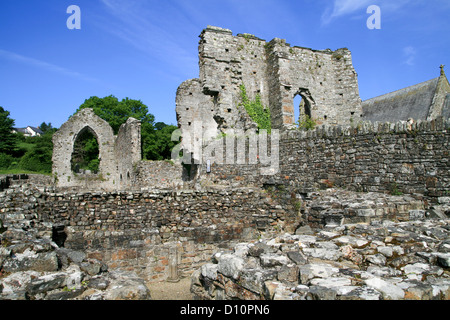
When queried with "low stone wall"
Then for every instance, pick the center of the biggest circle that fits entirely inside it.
(159, 175)
(144, 230)
(40, 180)
(166, 233)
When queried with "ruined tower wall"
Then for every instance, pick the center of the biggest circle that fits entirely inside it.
(195, 112)
(325, 80)
(226, 62)
(276, 72)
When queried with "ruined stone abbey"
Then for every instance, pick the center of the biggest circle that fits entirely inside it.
(144, 215)
(210, 107)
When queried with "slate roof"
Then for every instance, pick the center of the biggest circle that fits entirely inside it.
(446, 109)
(411, 102)
(25, 131)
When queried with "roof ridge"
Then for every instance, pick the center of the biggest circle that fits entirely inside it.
(393, 93)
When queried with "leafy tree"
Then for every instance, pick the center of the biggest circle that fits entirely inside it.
(160, 125)
(7, 137)
(117, 112)
(6, 161)
(159, 145)
(38, 158)
(86, 152)
(47, 127)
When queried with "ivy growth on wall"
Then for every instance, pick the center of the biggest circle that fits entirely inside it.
(256, 110)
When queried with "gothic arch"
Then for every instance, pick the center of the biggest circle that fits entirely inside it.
(64, 140)
(307, 104)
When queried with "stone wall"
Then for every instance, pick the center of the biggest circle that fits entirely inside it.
(370, 157)
(37, 180)
(277, 72)
(159, 175)
(117, 154)
(64, 140)
(128, 152)
(143, 231)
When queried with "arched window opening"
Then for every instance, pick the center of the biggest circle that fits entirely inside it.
(302, 109)
(85, 155)
(297, 106)
(303, 103)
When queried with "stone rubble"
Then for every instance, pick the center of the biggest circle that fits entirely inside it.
(37, 269)
(380, 260)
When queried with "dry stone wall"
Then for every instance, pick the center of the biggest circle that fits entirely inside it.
(142, 230)
(410, 159)
(158, 175)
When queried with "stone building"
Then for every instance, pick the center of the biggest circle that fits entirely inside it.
(209, 107)
(424, 101)
(277, 72)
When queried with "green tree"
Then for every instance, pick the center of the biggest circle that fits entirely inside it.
(38, 158)
(47, 127)
(7, 137)
(85, 153)
(159, 145)
(117, 112)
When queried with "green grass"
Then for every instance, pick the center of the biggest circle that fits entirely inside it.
(21, 171)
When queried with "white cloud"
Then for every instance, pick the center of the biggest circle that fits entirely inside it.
(348, 7)
(409, 54)
(43, 65)
(344, 7)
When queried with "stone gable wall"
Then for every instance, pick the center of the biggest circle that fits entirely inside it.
(118, 155)
(64, 140)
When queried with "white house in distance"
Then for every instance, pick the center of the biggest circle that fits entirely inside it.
(29, 131)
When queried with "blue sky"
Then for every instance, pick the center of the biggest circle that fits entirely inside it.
(144, 49)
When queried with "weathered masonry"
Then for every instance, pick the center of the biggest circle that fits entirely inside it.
(411, 158)
(117, 154)
(141, 215)
(326, 81)
(343, 148)
(144, 230)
